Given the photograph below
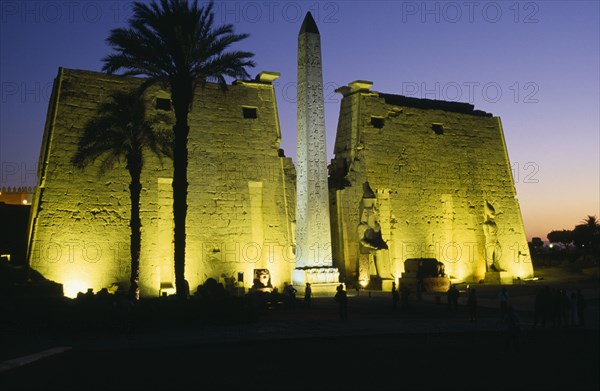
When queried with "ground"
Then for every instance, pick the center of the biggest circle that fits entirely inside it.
(426, 347)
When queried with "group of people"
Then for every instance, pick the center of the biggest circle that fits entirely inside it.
(453, 295)
(341, 297)
(553, 306)
(558, 307)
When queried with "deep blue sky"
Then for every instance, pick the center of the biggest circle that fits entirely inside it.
(535, 64)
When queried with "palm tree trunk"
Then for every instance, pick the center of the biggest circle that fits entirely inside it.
(181, 105)
(135, 244)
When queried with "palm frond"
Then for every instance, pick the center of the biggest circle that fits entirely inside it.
(176, 39)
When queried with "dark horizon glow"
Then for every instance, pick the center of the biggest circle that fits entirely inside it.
(533, 64)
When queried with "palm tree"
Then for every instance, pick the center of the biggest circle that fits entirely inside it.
(174, 43)
(587, 234)
(592, 222)
(121, 130)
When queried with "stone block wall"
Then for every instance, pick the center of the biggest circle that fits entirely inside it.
(239, 214)
(444, 188)
(439, 172)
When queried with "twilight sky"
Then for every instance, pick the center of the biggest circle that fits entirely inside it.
(535, 64)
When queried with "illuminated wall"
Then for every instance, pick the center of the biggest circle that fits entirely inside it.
(439, 172)
(240, 198)
(443, 185)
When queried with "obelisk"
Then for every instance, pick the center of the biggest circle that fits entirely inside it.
(313, 235)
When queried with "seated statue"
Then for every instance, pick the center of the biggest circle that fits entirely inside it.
(369, 229)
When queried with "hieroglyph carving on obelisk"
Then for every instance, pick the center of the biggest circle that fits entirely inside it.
(313, 236)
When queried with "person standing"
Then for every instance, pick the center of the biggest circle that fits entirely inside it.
(574, 309)
(472, 305)
(581, 304)
(404, 293)
(538, 309)
(513, 329)
(307, 295)
(342, 299)
(453, 294)
(395, 296)
(503, 298)
(565, 305)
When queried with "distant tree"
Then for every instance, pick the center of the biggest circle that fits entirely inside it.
(586, 235)
(122, 131)
(537, 243)
(174, 43)
(565, 237)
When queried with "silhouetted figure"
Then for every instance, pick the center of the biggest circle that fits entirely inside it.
(574, 309)
(513, 328)
(555, 307)
(342, 299)
(404, 293)
(581, 304)
(564, 307)
(395, 296)
(547, 306)
(453, 295)
(539, 309)
(550, 307)
(503, 298)
(125, 308)
(420, 276)
(289, 295)
(274, 297)
(472, 305)
(307, 295)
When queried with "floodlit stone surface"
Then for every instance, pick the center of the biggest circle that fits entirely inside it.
(240, 197)
(313, 238)
(439, 186)
(313, 230)
(442, 182)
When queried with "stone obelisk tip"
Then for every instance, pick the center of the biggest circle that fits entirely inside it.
(309, 25)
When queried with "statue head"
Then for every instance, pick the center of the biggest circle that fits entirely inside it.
(262, 280)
